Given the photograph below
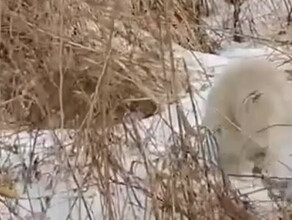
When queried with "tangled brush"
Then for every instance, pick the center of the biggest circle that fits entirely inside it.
(74, 64)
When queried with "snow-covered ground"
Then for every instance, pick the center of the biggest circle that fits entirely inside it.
(54, 193)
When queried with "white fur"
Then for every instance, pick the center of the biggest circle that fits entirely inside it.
(249, 97)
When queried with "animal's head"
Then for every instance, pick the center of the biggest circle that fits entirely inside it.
(262, 152)
(265, 118)
(260, 161)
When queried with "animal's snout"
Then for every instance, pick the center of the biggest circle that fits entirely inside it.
(256, 170)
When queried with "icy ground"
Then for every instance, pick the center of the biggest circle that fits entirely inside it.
(54, 193)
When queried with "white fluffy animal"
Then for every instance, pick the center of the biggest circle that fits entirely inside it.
(249, 110)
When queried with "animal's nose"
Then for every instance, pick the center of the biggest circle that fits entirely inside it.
(256, 170)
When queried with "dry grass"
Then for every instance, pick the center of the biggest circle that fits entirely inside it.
(70, 63)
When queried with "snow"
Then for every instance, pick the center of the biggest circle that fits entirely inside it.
(62, 192)
(58, 184)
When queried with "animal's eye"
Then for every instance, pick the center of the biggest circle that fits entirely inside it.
(250, 99)
(256, 96)
(253, 96)
(260, 154)
(218, 131)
